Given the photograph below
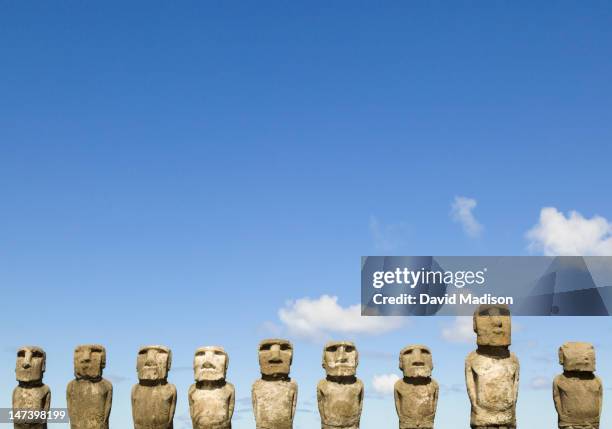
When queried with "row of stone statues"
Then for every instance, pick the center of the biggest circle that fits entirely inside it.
(491, 373)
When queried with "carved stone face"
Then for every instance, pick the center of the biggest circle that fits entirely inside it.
(210, 363)
(275, 356)
(577, 357)
(415, 361)
(153, 363)
(31, 362)
(492, 325)
(340, 358)
(89, 361)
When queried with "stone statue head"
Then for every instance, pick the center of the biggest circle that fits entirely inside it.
(340, 358)
(89, 361)
(577, 357)
(153, 363)
(31, 363)
(275, 356)
(492, 325)
(210, 363)
(415, 361)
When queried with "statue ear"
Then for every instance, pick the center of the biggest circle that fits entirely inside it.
(169, 360)
(561, 357)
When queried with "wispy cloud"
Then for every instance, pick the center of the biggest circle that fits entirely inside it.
(540, 383)
(461, 330)
(387, 237)
(571, 235)
(318, 319)
(115, 378)
(462, 209)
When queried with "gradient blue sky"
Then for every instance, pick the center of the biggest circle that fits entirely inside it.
(175, 173)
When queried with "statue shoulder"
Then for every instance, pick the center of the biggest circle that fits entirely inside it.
(434, 384)
(322, 385)
(359, 384)
(191, 389)
(399, 384)
(107, 384)
(598, 381)
(471, 357)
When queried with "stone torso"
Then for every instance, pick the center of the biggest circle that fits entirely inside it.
(211, 408)
(340, 404)
(416, 404)
(579, 401)
(33, 398)
(89, 403)
(273, 403)
(495, 389)
(153, 406)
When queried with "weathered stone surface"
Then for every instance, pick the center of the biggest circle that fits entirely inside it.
(89, 396)
(578, 392)
(416, 395)
(492, 371)
(274, 396)
(153, 398)
(211, 398)
(31, 393)
(340, 394)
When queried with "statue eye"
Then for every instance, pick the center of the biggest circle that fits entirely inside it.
(37, 354)
(425, 352)
(349, 349)
(21, 353)
(285, 347)
(408, 352)
(332, 349)
(265, 347)
(143, 352)
(219, 353)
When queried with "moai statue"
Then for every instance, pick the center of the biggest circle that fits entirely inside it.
(153, 398)
(89, 396)
(274, 395)
(31, 393)
(578, 393)
(492, 371)
(340, 394)
(416, 395)
(211, 398)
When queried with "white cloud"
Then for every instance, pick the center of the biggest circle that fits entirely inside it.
(461, 330)
(318, 319)
(387, 237)
(540, 383)
(462, 212)
(383, 383)
(571, 235)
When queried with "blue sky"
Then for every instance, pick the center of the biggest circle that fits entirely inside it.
(178, 174)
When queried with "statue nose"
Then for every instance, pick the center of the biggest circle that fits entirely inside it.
(150, 358)
(27, 360)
